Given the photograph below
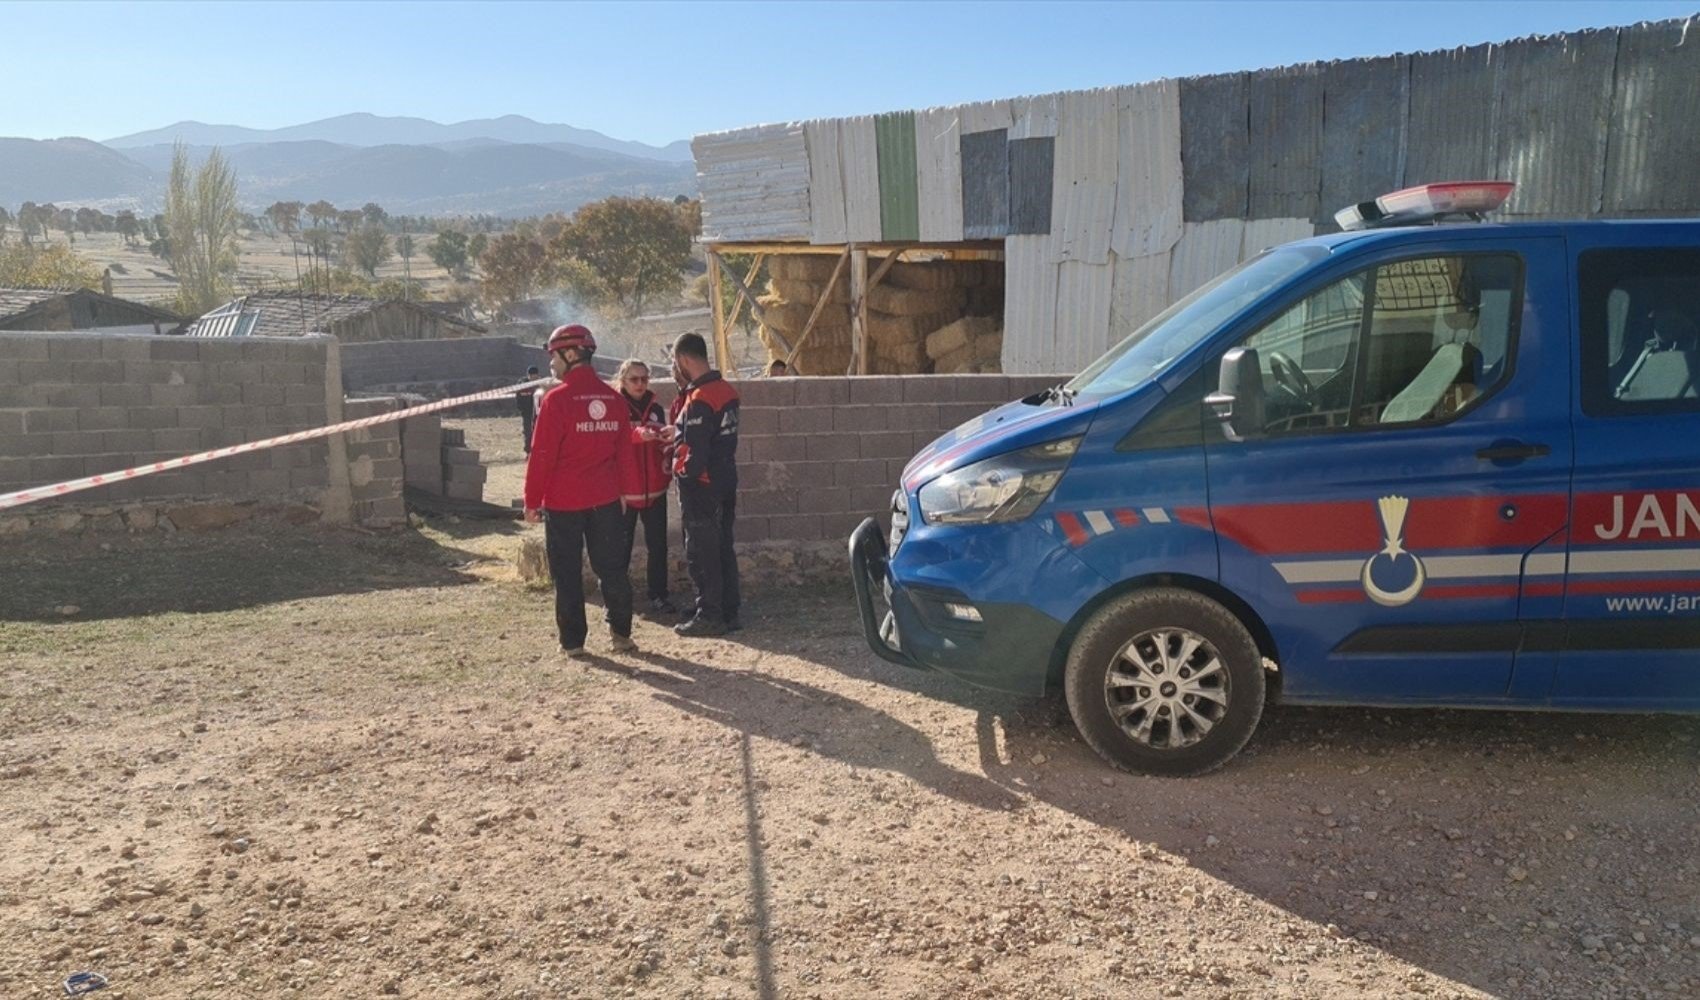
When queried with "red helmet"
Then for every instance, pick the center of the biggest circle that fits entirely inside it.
(572, 335)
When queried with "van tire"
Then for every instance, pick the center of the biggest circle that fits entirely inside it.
(1100, 644)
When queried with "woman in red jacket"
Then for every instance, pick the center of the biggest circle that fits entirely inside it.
(646, 494)
(581, 460)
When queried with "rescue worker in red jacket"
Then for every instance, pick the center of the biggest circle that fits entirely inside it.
(705, 440)
(581, 457)
(646, 496)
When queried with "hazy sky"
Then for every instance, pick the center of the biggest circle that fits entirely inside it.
(663, 71)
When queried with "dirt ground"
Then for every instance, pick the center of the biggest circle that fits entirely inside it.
(273, 761)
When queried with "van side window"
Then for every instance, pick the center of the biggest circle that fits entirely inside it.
(1408, 342)
(1640, 323)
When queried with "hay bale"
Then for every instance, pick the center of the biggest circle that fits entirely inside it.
(948, 339)
(791, 317)
(815, 267)
(806, 292)
(911, 356)
(955, 362)
(989, 347)
(986, 300)
(897, 301)
(929, 277)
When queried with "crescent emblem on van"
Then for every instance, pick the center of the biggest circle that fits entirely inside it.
(1393, 577)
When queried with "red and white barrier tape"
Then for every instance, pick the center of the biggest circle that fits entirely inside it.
(21, 497)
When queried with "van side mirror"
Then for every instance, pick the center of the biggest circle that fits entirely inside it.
(1238, 399)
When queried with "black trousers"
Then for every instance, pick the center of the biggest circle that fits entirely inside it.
(708, 514)
(654, 519)
(527, 417)
(567, 533)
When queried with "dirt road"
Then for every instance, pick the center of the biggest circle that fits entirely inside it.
(282, 762)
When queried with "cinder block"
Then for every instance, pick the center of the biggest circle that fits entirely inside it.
(310, 477)
(174, 395)
(764, 502)
(200, 416)
(44, 372)
(46, 421)
(465, 474)
(133, 442)
(824, 390)
(989, 389)
(758, 420)
(283, 373)
(294, 456)
(875, 388)
(11, 422)
(894, 444)
(102, 418)
(21, 348)
(390, 468)
(8, 370)
(221, 394)
(55, 469)
(18, 472)
(77, 442)
(840, 526)
(120, 348)
(805, 420)
(312, 394)
(124, 394)
(178, 440)
(872, 499)
(749, 529)
(222, 481)
(859, 419)
(914, 417)
(925, 388)
(261, 394)
(463, 490)
(26, 445)
(784, 448)
(268, 482)
(176, 349)
(242, 373)
(894, 469)
(796, 527)
(456, 455)
(74, 347)
(767, 392)
(825, 501)
(832, 447)
(454, 437)
(859, 472)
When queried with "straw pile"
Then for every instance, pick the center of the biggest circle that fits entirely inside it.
(912, 302)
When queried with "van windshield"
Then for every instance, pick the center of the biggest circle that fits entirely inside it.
(1177, 329)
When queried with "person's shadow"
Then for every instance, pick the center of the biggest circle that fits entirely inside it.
(789, 711)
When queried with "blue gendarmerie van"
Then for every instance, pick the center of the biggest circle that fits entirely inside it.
(1426, 461)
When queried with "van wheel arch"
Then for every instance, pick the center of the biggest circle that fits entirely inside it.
(1208, 588)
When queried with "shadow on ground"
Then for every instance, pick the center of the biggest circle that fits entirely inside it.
(240, 567)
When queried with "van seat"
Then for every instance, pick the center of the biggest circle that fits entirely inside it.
(1450, 365)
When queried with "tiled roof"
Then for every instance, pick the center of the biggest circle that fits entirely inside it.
(289, 314)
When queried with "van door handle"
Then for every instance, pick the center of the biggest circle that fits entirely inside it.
(1512, 451)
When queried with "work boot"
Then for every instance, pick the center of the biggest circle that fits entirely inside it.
(662, 606)
(623, 644)
(700, 626)
(575, 653)
(734, 624)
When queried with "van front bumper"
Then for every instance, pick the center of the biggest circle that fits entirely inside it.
(921, 626)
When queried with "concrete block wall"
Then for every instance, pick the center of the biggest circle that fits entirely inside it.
(389, 364)
(78, 404)
(375, 468)
(816, 455)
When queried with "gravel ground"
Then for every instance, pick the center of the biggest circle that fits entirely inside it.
(290, 762)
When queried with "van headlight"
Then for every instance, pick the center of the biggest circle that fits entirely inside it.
(1003, 488)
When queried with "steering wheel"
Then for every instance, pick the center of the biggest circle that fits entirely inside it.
(1290, 377)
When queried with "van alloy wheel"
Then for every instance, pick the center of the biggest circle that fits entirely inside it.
(1167, 688)
(1165, 681)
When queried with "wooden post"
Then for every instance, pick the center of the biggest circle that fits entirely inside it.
(722, 352)
(858, 312)
(820, 304)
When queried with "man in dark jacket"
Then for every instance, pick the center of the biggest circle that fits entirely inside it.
(579, 465)
(705, 440)
(527, 403)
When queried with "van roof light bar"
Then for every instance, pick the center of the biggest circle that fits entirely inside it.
(1426, 204)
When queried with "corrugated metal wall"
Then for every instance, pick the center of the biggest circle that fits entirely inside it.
(1114, 203)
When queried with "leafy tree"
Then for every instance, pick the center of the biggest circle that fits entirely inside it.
(50, 265)
(347, 219)
(373, 213)
(448, 251)
(475, 247)
(624, 250)
(127, 226)
(201, 221)
(404, 249)
(27, 220)
(513, 269)
(320, 211)
(87, 220)
(285, 216)
(368, 247)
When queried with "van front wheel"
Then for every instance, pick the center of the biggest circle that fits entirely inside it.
(1166, 682)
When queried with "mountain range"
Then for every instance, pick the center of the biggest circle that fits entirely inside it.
(509, 166)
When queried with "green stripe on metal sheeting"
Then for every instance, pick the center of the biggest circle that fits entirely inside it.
(900, 199)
